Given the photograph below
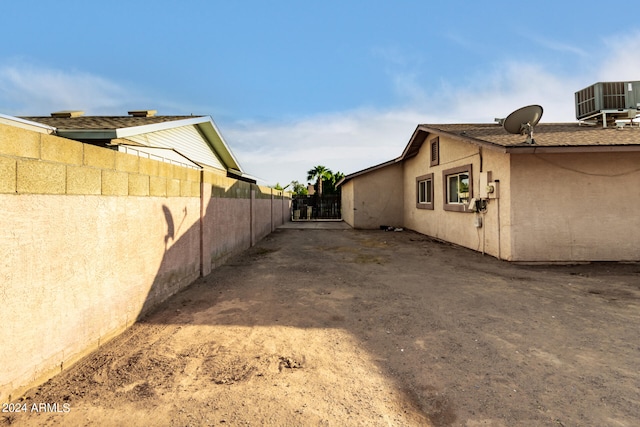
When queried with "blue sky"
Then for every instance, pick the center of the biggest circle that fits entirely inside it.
(295, 84)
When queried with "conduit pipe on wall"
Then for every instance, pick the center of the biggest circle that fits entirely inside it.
(201, 222)
(498, 220)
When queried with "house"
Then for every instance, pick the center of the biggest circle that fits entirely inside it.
(191, 141)
(572, 195)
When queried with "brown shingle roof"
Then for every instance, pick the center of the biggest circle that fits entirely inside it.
(103, 122)
(545, 135)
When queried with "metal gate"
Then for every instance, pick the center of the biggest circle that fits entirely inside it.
(314, 207)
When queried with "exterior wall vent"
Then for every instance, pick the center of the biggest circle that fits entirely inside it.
(142, 113)
(67, 114)
(608, 101)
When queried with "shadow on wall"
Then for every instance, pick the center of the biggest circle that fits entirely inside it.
(232, 219)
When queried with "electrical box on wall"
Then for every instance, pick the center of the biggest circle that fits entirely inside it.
(485, 178)
(493, 190)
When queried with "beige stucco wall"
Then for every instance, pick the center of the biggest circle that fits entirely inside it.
(458, 227)
(346, 202)
(92, 239)
(576, 207)
(77, 270)
(374, 199)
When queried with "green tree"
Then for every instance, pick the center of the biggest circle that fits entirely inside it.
(330, 184)
(320, 174)
(299, 189)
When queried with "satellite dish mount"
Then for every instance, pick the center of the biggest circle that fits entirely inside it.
(523, 120)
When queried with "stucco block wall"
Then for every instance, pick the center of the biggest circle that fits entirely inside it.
(36, 163)
(346, 205)
(576, 206)
(38, 177)
(76, 270)
(459, 227)
(90, 245)
(83, 180)
(227, 219)
(8, 178)
(374, 199)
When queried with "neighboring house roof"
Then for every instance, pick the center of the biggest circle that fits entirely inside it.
(549, 138)
(196, 138)
(26, 124)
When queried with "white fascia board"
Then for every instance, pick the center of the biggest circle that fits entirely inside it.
(26, 124)
(206, 125)
(137, 130)
(218, 144)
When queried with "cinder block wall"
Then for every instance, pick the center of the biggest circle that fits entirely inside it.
(93, 238)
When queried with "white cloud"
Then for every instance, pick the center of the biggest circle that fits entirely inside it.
(623, 62)
(556, 45)
(353, 140)
(349, 141)
(345, 141)
(34, 90)
(513, 86)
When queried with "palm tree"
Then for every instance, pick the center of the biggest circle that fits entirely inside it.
(320, 173)
(335, 178)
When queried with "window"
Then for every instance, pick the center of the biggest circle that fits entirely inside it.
(424, 192)
(457, 188)
(434, 148)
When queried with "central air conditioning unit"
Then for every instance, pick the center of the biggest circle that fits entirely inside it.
(608, 101)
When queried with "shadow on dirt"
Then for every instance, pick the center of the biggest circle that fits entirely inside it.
(457, 333)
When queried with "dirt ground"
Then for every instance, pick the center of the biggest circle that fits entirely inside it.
(368, 328)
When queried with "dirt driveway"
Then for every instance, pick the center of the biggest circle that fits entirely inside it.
(370, 328)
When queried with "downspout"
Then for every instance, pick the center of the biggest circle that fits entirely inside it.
(252, 194)
(498, 207)
(484, 210)
(201, 222)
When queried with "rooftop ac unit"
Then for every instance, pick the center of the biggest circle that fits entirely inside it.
(607, 97)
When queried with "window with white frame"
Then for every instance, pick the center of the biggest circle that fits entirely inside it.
(424, 191)
(457, 188)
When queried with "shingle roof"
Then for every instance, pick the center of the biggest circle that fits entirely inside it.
(103, 122)
(545, 135)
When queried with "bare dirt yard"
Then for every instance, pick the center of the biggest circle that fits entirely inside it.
(368, 328)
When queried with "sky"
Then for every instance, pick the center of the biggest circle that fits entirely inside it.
(295, 84)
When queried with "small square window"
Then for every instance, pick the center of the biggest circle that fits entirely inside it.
(424, 192)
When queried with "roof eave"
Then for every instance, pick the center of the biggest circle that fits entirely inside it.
(26, 124)
(211, 133)
(535, 149)
(155, 127)
(129, 131)
(347, 178)
(85, 134)
(422, 132)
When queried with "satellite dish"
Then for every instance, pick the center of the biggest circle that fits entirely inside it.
(523, 120)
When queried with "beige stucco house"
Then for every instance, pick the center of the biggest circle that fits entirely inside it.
(573, 195)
